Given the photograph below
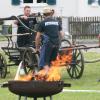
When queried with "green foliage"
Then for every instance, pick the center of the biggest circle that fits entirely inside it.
(10, 29)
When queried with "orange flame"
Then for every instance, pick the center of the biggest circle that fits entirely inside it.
(25, 77)
(54, 74)
(63, 59)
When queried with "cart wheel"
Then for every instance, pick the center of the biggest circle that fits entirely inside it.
(30, 60)
(77, 65)
(3, 66)
(65, 43)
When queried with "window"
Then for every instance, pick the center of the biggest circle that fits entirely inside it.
(27, 1)
(33, 3)
(37, 3)
(99, 2)
(94, 2)
(15, 2)
(41, 1)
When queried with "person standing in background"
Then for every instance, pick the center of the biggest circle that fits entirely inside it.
(29, 21)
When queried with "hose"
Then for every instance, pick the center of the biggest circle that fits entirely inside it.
(17, 18)
(24, 24)
(92, 61)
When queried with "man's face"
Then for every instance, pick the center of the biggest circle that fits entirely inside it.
(27, 11)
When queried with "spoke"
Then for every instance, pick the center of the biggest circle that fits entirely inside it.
(2, 60)
(27, 56)
(70, 71)
(79, 66)
(79, 63)
(75, 52)
(77, 70)
(77, 55)
(73, 71)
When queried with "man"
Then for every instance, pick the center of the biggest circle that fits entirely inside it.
(51, 30)
(52, 12)
(29, 21)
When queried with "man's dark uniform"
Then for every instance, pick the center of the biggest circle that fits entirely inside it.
(26, 40)
(50, 28)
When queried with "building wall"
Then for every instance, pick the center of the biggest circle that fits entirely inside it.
(6, 9)
(63, 8)
(88, 10)
(67, 7)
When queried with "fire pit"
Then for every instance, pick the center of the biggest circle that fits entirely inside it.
(35, 89)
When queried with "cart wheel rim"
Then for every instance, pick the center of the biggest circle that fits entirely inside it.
(30, 60)
(77, 65)
(3, 67)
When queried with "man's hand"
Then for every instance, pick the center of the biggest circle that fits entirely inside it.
(24, 17)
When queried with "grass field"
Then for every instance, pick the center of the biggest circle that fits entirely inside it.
(3, 38)
(89, 81)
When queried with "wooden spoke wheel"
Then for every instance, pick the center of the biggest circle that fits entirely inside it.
(65, 43)
(77, 65)
(3, 66)
(30, 60)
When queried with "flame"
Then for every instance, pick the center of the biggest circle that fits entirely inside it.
(63, 59)
(54, 71)
(53, 74)
(27, 77)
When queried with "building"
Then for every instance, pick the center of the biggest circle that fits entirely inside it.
(62, 7)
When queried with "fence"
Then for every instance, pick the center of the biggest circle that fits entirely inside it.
(84, 27)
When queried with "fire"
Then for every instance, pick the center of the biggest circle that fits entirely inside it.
(63, 59)
(54, 71)
(53, 74)
(27, 77)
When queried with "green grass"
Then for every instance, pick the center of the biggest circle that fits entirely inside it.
(3, 38)
(89, 81)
